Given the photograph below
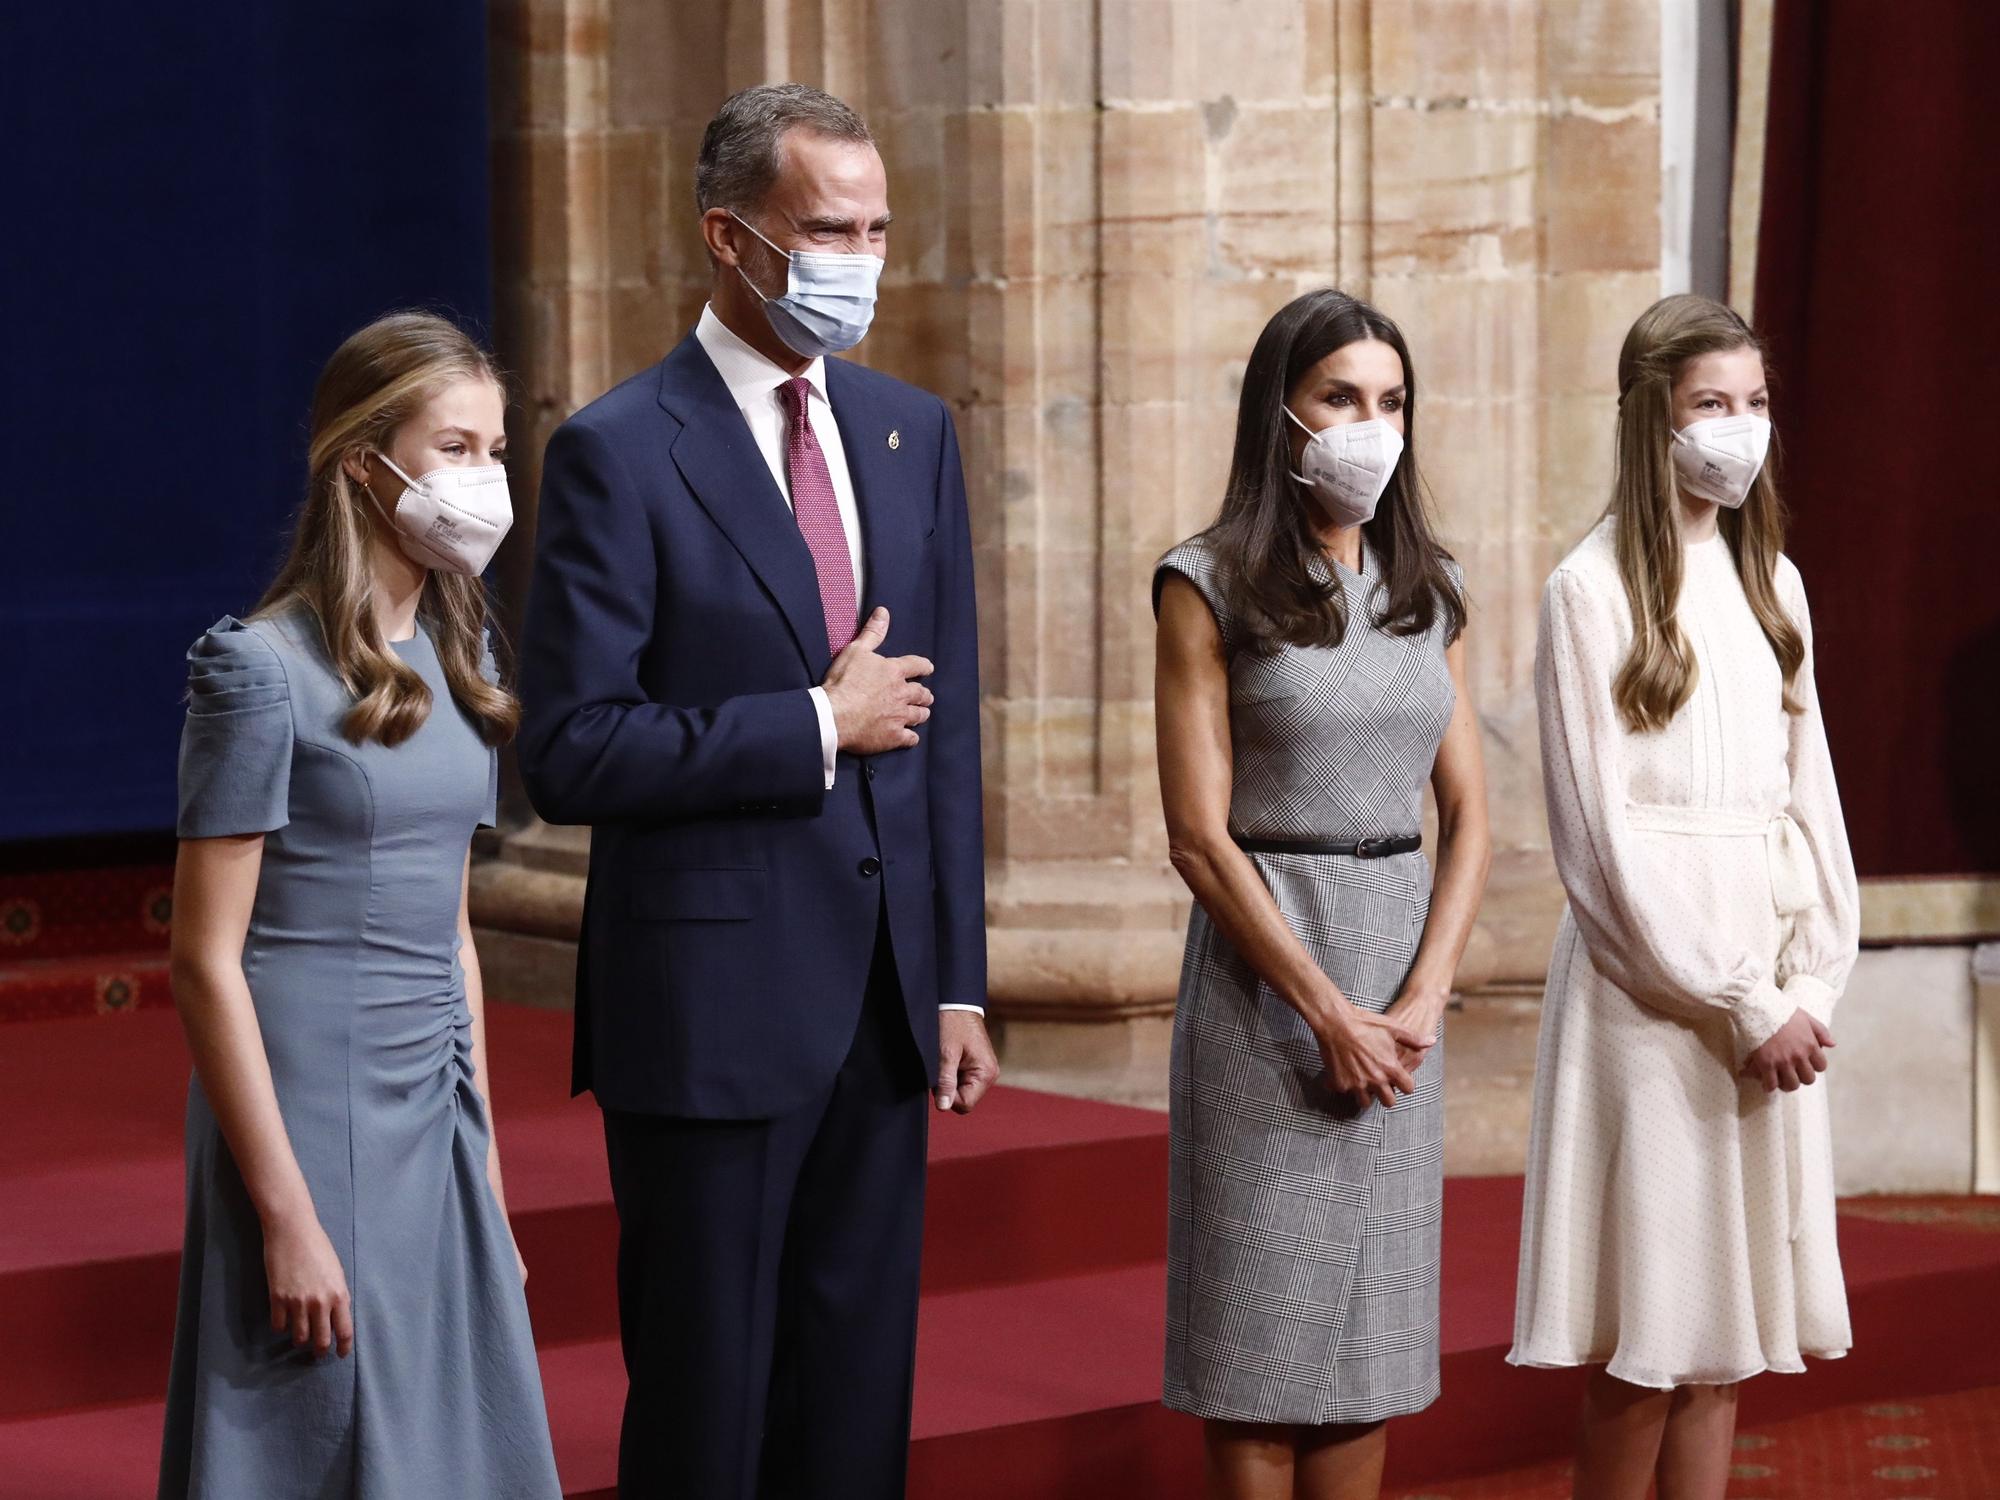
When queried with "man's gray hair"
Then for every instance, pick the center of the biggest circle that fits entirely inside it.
(739, 151)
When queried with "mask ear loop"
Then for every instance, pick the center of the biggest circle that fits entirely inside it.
(395, 468)
(1286, 407)
(388, 519)
(786, 254)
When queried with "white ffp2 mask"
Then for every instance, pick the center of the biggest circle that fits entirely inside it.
(453, 518)
(1347, 466)
(1719, 458)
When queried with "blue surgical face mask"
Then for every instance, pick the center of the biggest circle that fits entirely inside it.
(829, 298)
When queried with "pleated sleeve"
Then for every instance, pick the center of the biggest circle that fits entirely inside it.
(236, 744)
(1826, 936)
(1639, 926)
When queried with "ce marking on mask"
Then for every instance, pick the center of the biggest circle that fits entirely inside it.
(895, 440)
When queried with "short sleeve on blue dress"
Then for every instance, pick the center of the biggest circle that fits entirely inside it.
(236, 746)
(490, 670)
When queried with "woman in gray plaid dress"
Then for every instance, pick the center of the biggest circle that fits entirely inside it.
(1310, 682)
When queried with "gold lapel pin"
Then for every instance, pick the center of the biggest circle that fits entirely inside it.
(895, 439)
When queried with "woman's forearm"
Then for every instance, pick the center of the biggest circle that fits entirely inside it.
(220, 1020)
(482, 1078)
(475, 1004)
(1226, 884)
(1465, 855)
(469, 959)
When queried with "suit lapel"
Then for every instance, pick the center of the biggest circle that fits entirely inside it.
(727, 474)
(885, 490)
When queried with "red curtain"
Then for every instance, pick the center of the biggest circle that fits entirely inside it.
(1878, 285)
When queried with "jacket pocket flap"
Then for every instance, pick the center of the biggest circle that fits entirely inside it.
(698, 895)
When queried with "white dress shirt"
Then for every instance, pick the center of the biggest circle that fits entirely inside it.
(754, 382)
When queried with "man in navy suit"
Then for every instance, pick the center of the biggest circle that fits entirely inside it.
(750, 664)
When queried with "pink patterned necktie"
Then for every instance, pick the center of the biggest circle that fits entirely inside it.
(818, 514)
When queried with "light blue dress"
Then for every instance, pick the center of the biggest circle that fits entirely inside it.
(352, 961)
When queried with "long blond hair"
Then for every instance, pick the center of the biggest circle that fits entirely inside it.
(1659, 673)
(377, 380)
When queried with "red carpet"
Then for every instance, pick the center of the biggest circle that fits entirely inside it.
(1930, 1448)
(1040, 1340)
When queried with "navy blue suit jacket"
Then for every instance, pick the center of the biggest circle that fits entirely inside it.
(673, 631)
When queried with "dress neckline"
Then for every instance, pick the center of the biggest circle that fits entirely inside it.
(1335, 566)
(1709, 553)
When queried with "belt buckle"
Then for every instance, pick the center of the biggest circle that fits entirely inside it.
(1370, 848)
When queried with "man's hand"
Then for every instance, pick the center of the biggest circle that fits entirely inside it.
(876, 700)
(967, 1066)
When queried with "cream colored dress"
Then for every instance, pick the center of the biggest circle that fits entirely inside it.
(1679, 1222)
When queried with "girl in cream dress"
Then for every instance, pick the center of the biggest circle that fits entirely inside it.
(1679, 1221)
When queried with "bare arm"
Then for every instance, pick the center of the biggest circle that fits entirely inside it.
(215, 887)
(475, 1002)
(482, 1076)
(1465, 854)
(1191, 700)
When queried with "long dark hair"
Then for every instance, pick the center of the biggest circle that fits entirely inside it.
(1264, 540)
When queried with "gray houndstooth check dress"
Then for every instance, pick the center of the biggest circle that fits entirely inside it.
(1302, 1262)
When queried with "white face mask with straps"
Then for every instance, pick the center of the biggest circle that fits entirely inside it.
(1347, 466)
(453, 518)
(1719, 458)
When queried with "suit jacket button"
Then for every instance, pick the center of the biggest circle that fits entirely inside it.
(871, 772)
(871, 866)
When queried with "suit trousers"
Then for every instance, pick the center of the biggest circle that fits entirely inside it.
(767, 1282)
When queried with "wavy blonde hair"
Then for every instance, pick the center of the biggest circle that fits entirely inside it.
(376, 381)
(1659, 673)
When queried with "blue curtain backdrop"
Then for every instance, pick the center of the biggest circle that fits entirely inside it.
(204, 200)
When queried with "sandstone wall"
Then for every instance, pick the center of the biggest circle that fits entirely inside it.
(1099, 203)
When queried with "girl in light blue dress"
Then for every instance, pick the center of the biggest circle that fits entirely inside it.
(352, 1321)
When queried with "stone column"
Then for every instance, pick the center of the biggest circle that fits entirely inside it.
(1746, 177)
(1099, 204)
(1515, 201)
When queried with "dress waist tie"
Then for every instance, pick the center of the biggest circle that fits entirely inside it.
(1794, 879)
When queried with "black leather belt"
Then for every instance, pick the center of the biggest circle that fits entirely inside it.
(1405, 843)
